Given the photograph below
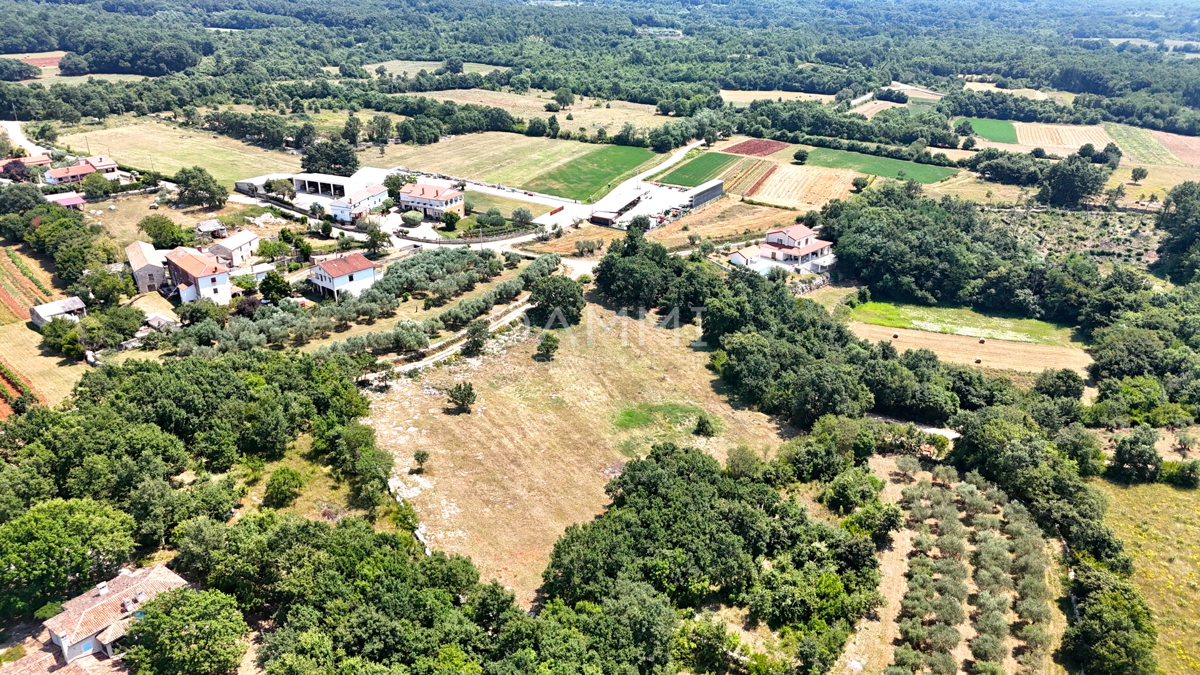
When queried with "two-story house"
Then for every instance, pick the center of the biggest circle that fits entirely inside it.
(147, 266)
(795, 246)
(359, 203)
(198, 276)
(349, 274)
(235, 249)
(432, 200)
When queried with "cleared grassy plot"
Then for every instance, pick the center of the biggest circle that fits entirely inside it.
(878, 166)
(51, 375)
(482, 201)
(964, 321)
(161, 147)
(583, 177)
(1000, 356)
(1160, 526)
(701, 169)
(1139, 145)
(494, 156)
(585, 113)
(534, 454)
(1000, 131)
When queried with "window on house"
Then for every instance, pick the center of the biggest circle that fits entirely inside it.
(351, 277)
(214, 291)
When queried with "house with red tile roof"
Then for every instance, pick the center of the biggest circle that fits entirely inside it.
(36, 160)
(82, 638)
(348, 274)
(197, 275)
(795, 248)
(105, 165)
(69, 174)
(359, 203)
(432, 200)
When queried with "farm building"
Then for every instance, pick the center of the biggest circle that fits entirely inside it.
(705, 193)
(69, 174)
(432, 200)
(68, 308)
(352, 273)
(147, 266)
(256, 187)
(795, 247)
(198, 276)
(359, 203)
(70, 199)
(235, 249)
(213, 228)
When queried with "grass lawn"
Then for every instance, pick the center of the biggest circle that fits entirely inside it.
(964, 321)
(583, 177)
(999, 131)
(878, 166)
(1160, 526)
(165, 148)
(701, 169)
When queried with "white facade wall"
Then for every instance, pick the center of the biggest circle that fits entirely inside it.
(347, 212)
(354, 283)
(215, 287)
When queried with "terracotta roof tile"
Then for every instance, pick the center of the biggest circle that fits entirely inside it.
(194, 262)
(338, 267)
(94, 611)
(426, 191)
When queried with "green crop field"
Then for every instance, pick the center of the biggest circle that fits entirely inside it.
(1141, 146)
(999, 131)
(1160, 526)
(701, 169)
(878, 166)
(583, 177)
(964, 321)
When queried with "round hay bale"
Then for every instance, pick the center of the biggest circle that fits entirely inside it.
(978, 360)
(895, 336)
(981, 341)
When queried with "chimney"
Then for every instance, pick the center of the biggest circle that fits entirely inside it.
(127, 605)
(102, 588)
(140, 597)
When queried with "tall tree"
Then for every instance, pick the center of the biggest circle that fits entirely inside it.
(334, 156)
(187, 632)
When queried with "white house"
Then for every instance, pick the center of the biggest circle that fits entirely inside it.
(432, 200)
(359, 203)
(92, 622)
(352, 273)
(795, 247)
(235, 249)
(199, 276)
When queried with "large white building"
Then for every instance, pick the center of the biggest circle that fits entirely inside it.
(349, 274)
(795, 248)
(358, 204)
(432, 200)
(198, 276)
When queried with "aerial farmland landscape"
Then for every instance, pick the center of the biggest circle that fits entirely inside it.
(515, 337)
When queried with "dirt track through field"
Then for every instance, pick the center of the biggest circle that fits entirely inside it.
(963, 349)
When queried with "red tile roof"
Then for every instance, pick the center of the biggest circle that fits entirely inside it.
(340, 267)
(796, 232)
(36, 160)
(101, 162)
(425, 191)
(71, 171)
(363, 194)
(815, 246)
(195, 263)
(42, 656)
(96, 610)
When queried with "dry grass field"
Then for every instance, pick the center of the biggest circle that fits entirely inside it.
(585, 113)
(1055, 136)
(565, 245)
(804, 187)
(963, 349)
(534, 454)
(1158, 182)
(873, 108)
(48, 62)
(121, 222)
(495, 157)
(1160, 526)
(149, 144)
(52, 375)
(968, 185)
(744, 97)
(1061, 97)
(724, 218)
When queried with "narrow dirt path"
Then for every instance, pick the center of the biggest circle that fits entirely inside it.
(869, 649)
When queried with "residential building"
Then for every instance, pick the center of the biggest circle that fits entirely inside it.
(69, 174)
(105, 165)
(358, 204)
(147, 266)
(795, 247)
(432, 200)
(198, 276)
(92, 622)
(235, 249)
(349, 274)
(70, 199)
(68, 308)
(37, 160)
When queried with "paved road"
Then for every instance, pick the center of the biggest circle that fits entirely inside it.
(17, 135)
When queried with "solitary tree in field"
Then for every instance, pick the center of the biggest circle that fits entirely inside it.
(801, 156)
(477, 335)
(274, 287)
(1139, 174)
(564, 97)
(522, 217)
(451, 219)
(547, 346)
(462, 395)
(283, 487)
(420, 457)
(908, 465)
(859, 184)
(705, 427)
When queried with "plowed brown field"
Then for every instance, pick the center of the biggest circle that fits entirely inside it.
(1186, 148)
(756, 147)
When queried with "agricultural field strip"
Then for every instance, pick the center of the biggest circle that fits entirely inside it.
(1061, 135)
(1141, 146)
(999, 131)
(700, 169)
(798, 186)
